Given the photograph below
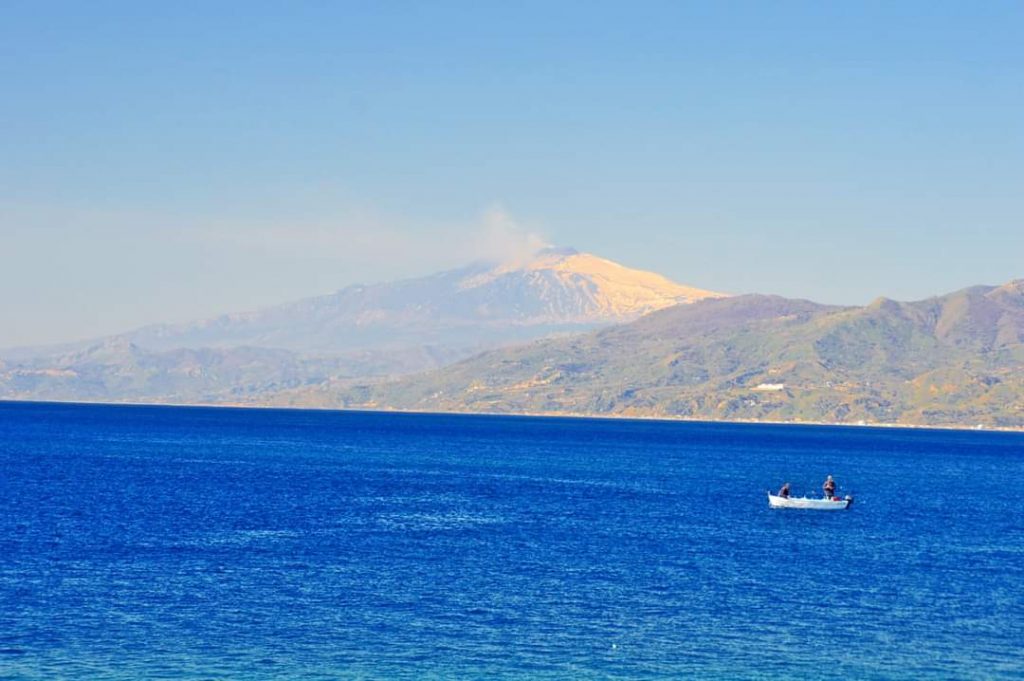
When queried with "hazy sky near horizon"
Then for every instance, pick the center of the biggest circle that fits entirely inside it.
(170, 161)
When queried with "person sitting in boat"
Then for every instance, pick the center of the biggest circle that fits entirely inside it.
(829, 487)
(784, 492)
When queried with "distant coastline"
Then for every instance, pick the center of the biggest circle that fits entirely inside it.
(532, 339)
(544, 415)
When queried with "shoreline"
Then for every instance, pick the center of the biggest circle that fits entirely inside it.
(582, 416)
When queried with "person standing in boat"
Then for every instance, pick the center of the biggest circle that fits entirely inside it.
(784, 492)
(829, 487)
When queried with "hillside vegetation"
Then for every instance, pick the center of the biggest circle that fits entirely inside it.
(951, 360)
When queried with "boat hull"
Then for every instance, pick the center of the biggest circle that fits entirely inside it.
(808, 503)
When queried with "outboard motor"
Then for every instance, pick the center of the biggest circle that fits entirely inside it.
(849, 501)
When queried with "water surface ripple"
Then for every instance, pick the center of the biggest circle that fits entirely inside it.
(145, 542)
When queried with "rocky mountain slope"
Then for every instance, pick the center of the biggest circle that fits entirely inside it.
(957, 359)
(360, 331)
(558, 289)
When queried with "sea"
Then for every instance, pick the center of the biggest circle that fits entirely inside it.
(145, 542)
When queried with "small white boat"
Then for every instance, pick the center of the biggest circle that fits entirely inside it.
(816, 504)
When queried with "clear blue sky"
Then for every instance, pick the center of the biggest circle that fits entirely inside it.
(167, 161)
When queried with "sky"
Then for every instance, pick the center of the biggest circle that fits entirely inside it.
(164, 162)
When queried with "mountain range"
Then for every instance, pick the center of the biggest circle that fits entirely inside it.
(953, 360)
(358, 332)
(570, 333)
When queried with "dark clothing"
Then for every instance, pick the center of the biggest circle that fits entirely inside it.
(784, 492)
(830, 488)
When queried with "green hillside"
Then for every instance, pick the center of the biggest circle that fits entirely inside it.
(954, 360)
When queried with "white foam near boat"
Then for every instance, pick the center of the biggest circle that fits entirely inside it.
(816, 504)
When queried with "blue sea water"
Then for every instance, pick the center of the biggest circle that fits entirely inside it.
(161, 542)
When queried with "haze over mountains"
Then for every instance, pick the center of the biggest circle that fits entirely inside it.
(570, 333)
(360, 331)
(953, 360)
(558, 289)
